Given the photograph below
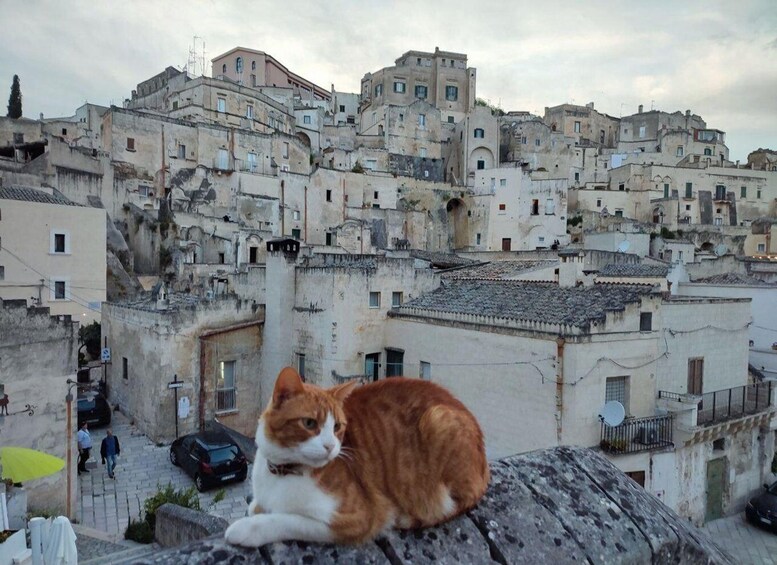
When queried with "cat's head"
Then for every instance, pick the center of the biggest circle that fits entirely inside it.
(303, 424)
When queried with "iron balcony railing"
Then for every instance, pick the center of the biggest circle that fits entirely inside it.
(637, 434)
(729, 403)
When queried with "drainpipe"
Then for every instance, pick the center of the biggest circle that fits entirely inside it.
(559, 387)
(306, 214)
(201, 399)
(283, 209)
(343, 183)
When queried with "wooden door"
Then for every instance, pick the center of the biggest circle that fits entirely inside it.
(716, 469)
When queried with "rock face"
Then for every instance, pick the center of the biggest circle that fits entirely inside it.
(557, 505)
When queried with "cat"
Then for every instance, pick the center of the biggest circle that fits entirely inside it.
(344, 464)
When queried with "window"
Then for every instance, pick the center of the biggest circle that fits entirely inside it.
(224, 68)
(401, 118)
(687, 207)
(305, 119)
(695, 375)
(2, 273)
(646, 321)
(399, 86)
(707, 151)
(743, 192)
(253, 252)
(618, 213)
(301, 365)
(378, 90)
(479, 133)
(502, 207)
(598, 202)
(642, 131)
(250, 112)
(550, 206)
(523, 140)
(18, 138)
(239, 65)
(59, 243)
(535, 207)
(637, 476)
(577, 177)
(477, 239)
(59, 290)
(481, 164)
(758, 193)
(615, 389)
(223, 163)
(130, 144)
(296, 233)
(285, 149)
(718, 221)
(425, 371)
(422, 152)
(175, 104)
(221, 105)
(421, 120)
(622, 186)
(506, 244)
(689, 190)
(329, 238)
(222, 258)
(375, 195)
(396, 299)
(451, 120)
(251, 161)
(418, 61)
(253, 65)
(666, 190)
(720, 192)
(537, 142)
(452, 92)
(124, 368)
(502, 182)
(394, 362)
(342, 107)
(328, 194)
(761, 248)
(225, 387)
(601, 136)
(374, 299)
(421, 91)
(181, 151)
(577, 127)
(679, 151)
(295, 214)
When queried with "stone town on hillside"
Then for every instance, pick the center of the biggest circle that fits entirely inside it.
(222, 227)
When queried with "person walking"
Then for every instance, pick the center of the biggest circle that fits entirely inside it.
(84, 447)
(109, 450)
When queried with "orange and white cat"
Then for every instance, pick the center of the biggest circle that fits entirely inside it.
(346, 463)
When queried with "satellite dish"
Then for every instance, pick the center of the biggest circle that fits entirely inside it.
(612, 413)
(624, 246)
(721, 250)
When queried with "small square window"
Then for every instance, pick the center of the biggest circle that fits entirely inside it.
(616, 388)
(451, 120)
(502, 182)
(342, 108)
(622, 187)
(479, 133)
(646, 321)
(305, 119)
(421, 91)
(399, 87)
(374, 299)
(396, 299)
(761, 248)
(503, 207)
(481, 165)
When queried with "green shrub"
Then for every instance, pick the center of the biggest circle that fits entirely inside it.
(774, 464)
(667, 233)
(139, 531)
(357, 168)
(185, 497)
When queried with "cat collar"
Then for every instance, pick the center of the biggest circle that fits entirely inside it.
(286, 469)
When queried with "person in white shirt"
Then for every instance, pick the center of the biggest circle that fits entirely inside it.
(84, 447)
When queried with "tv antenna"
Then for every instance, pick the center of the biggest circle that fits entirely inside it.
(195, 65)
(612, 413)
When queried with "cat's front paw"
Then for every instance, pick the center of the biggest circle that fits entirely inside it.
(244, 533)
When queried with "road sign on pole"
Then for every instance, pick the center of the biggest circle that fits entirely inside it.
(175, 384)
(105, 354)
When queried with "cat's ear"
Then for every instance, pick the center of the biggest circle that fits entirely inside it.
(341, 392)
(287, 385)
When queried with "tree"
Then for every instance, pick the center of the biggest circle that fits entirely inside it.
(90, 336)
(15, 100)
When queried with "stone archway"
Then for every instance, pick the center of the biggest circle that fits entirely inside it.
(458, 224)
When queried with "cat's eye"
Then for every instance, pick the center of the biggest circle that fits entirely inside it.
(309, 423)
(337, 426)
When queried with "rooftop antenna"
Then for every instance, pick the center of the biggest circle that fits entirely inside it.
(652, 104)
(196, 62)
(612, 413)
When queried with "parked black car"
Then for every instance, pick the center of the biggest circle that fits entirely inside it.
(211, 458)
(93, 409)
(762, 509)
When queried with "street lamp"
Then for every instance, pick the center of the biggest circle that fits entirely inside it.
(69, 399)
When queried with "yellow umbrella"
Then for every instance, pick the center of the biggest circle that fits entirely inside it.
(21, 464)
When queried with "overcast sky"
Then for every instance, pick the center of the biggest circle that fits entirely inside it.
(716, 58)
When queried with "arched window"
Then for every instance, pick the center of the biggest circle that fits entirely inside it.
(224, 68)
(253, 65)
(239, 65)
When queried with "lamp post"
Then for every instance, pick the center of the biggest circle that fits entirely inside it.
(69, 434)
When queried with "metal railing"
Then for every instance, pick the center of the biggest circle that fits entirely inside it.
(225, 399)
(637, 434)
(670, 395)
(736, 402)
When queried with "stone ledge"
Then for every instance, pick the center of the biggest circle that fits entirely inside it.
(555, 505)
(176, 525)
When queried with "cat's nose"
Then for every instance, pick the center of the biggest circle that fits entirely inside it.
(329, 447)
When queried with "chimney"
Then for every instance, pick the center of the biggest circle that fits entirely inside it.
(590, 105)
(41, 116)
(639, 110)
(570, 270)
(162, 302)
(687, 113)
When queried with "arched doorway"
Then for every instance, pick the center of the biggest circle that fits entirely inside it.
(458, 224)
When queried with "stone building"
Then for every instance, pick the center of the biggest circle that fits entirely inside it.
(586, 125)
(52, 252)
(212, 345)
(441, 78)
(39, 354)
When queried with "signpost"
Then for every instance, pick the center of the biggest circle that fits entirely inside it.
(175, 384)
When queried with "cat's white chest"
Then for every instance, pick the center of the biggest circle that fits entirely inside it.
(291, 494)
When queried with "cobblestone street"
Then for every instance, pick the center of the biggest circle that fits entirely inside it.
(747, 544)
(108, 505)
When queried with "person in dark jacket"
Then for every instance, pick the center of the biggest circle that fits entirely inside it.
(109, 450)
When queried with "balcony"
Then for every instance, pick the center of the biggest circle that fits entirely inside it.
(637, 434)
(731, 403)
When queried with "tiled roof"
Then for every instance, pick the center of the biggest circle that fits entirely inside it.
(529, 301)
(498, 270)
(732, 278)
(441, 260)
(28, 194)
(633, 270)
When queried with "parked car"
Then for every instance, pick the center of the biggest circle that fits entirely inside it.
(93, 409)
(210, 458)
(762, 509)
